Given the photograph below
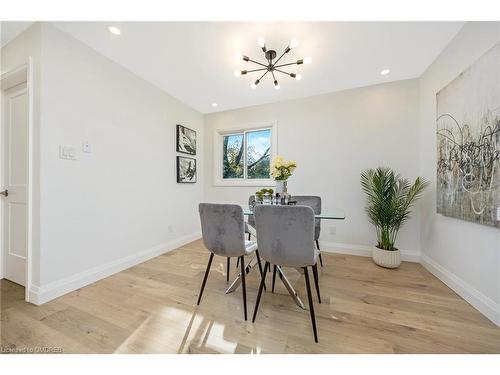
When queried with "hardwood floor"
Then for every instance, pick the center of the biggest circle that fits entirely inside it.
(151, 308)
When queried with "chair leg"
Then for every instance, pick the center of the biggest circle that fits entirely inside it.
(249, 236)
(274, 276)
(320, 258)
(228, 267)
(311, 307)
(266, 266)
(206, 277)
(315, 274)
(260, 267)
(243, 285)
(237, 262)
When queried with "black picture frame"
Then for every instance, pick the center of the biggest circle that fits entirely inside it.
(181, 178)
(184, 133)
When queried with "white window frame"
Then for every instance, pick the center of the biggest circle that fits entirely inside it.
(218, 149)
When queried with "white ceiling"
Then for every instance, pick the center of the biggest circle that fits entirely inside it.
(9, 30)
(194, 61)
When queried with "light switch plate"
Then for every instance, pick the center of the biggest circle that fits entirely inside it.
(67, 152)
(86, 147)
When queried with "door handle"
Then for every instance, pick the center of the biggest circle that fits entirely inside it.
(5, 193)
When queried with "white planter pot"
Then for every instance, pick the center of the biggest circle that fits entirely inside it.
(281, 187)
(386, 258)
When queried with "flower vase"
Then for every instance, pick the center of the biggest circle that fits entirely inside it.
(281, 187)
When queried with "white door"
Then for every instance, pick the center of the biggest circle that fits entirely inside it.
(15, 182)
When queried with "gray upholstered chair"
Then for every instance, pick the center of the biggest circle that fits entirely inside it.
(315, 203)
(285, 236)
(222, 228)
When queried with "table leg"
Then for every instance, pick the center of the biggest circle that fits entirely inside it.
(236, 283)
(290, 289)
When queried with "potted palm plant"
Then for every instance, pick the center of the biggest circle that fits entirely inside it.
(390, 198)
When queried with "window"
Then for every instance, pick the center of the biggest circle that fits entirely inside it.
(245, 155)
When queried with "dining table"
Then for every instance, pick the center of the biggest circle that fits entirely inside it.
(328, 214)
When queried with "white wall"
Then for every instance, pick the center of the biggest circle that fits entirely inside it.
(464, 255)
(333, 138)
(112, 208)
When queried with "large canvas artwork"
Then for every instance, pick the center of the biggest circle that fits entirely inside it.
(468, 143)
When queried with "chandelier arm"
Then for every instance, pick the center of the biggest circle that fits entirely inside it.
(279, 58)
(258, 63)
(262, 76)
(274, 78)
(279, 66)
(256, 70)
(282, 72)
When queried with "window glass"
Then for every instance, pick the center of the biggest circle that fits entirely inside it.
(232, 156)
(258, 145)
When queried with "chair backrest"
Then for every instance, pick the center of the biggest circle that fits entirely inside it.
(315, 203)
(285, 235)
(251, 218)
(223, 228)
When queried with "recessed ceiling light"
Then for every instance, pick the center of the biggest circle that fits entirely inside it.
(214, 104)
(114, 30)
(385, 72)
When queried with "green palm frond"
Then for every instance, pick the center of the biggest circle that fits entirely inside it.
(389, 199)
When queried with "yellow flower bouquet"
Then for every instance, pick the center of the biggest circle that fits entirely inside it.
(282, 169)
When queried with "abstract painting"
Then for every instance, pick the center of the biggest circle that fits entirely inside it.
(186, 169)
(468, 143)
(186, 140)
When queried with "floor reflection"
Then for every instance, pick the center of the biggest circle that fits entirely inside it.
(186, 331)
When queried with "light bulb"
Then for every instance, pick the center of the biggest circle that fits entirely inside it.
(253, 85)
(238, 56)
(114, 30)
(214, 104)
(298, 77)
(277, 86)
(237, 73)
(293, 43)
(308, 60)
(261, 42)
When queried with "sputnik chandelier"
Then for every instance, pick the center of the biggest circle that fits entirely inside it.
(271, 66)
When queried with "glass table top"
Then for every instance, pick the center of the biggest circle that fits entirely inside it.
(326, 214)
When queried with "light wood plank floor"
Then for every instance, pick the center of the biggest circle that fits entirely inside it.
(151, 308)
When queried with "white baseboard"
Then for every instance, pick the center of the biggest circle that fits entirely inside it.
(478, 300)
(42, 294)
(363, 250)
